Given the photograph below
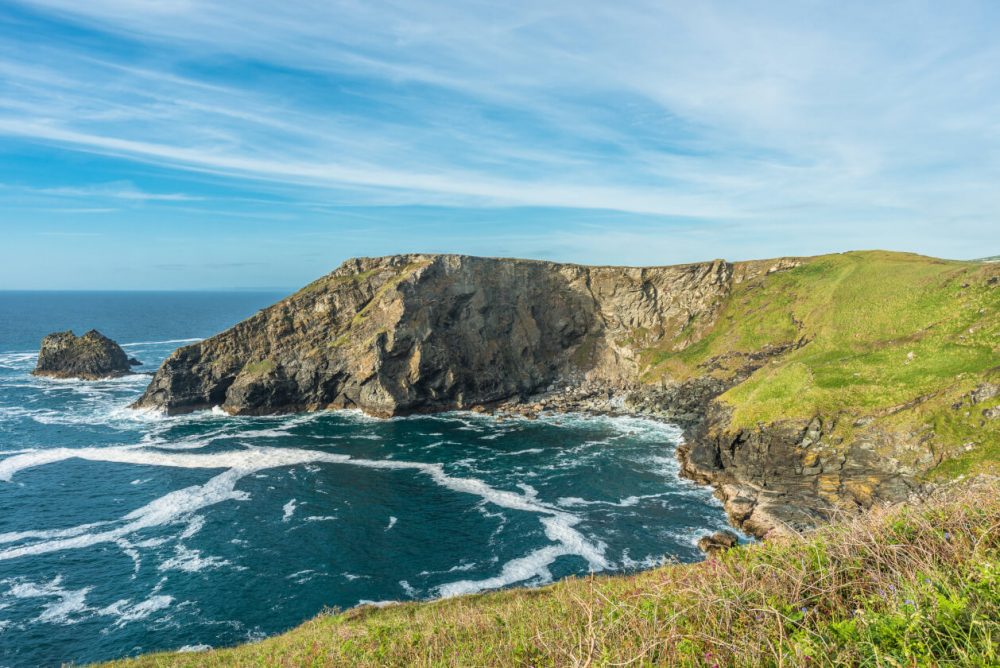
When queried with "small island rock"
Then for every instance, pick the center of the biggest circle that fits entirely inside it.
(90, 357)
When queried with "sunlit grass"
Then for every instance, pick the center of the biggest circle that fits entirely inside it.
(879, 333)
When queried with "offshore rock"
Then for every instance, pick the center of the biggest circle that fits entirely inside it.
(92, 356)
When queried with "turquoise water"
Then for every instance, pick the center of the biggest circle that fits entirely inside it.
(125, 532)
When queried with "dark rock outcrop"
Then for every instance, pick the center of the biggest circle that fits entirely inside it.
(789, 476)
(720, 541)
(91, 357)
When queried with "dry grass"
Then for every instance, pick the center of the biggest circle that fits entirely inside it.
(906, 586)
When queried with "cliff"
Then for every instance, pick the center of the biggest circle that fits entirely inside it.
(809, 386)
(414, 333)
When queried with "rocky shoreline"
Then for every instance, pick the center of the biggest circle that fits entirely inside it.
(767, 490)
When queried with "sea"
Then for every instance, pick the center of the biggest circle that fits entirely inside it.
(123, 531)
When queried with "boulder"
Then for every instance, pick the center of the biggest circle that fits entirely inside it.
(90, 357)
(720, 541)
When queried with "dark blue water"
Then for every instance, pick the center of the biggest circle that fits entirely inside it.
(125, 532)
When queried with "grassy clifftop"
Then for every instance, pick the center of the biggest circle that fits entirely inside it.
(884, 342)
(898, 587)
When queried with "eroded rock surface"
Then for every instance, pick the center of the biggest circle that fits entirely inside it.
(789, 476)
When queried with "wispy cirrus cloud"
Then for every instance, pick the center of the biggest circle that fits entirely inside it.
(122, 190)
(851, 123)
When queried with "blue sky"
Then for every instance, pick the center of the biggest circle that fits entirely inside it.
(227, 143)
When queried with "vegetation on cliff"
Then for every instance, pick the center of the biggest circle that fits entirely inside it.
(902, 586)
(879, 343)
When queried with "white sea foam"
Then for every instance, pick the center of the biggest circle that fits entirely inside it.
(651, 561)
(129, 379)
(462, 567)
(527, 451)
(17, 361)
(194, 648)
(191, 561)
(168, 508)
(67, 603)
(627, 502)
(16, 536)
(319, 518)
(194, 525)
(288, 510)
(127, 612)
(132, 553)
(136, 344)
(184, 503)
(533, 566)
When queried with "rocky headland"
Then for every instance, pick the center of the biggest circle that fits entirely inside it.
(92, 356)
(808, 387)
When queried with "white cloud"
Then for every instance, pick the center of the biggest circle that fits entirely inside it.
(802, 115)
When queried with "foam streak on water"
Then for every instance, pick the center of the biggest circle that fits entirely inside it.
(558, 525)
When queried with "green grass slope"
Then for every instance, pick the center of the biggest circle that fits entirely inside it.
(917, 586)
(890, 341)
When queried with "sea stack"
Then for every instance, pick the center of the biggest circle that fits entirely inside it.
(92, 356)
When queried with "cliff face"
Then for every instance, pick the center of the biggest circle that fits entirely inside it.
(809, 387)
(791, 474)
(415, 333)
